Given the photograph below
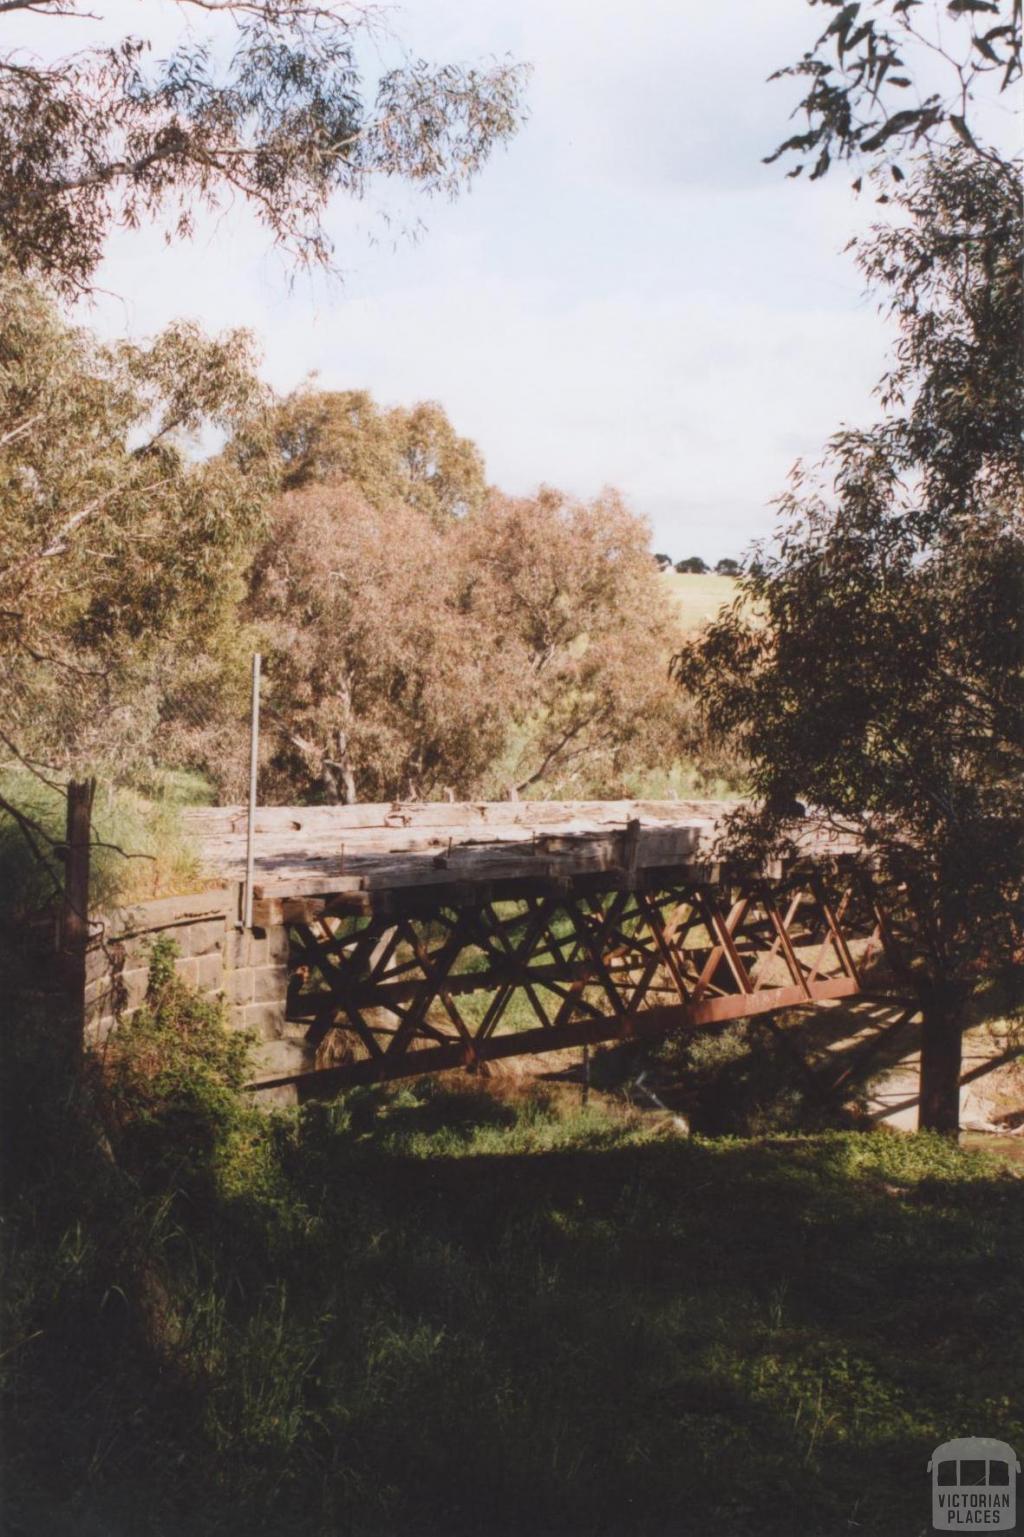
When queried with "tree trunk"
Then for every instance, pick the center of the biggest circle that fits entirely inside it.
(348, 778)
(942, 1027)
(329, 780)
(337, 776)
(344, 778)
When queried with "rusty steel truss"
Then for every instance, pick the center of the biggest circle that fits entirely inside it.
(460, 980)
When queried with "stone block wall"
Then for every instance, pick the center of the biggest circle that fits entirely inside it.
(247, 968)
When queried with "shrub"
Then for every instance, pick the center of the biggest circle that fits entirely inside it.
(171, 1077)
(741, 1081)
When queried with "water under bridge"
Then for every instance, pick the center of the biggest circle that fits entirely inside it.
(422, 937)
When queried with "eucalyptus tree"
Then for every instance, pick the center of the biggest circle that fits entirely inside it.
(121, 543)
(522, 645)
(410, 454)
(873, 662)
(571, 586)
(261, 101)
(381, 682)
(118, 531)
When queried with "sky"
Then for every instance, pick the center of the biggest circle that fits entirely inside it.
(627, 296)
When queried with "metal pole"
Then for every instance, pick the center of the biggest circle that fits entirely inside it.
(254, 758)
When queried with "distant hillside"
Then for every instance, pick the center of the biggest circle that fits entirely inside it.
(699, 597)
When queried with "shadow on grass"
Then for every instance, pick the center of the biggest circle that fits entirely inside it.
(431, 1310)
(378, 1322)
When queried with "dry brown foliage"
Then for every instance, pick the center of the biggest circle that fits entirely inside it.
(525, 645)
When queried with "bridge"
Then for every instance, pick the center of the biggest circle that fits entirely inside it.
(424, 937)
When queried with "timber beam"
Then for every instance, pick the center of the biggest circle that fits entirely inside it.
(652, 1024)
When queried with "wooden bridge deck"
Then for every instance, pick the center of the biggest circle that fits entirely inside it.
(424, 937)
(374, 851)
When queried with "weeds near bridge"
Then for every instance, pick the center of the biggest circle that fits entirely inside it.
(438, 1310)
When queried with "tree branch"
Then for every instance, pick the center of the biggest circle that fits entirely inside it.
(569, 735)
(58, 544)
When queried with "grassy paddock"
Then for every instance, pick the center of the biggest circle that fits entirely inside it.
(440, 1311)
(699, 598)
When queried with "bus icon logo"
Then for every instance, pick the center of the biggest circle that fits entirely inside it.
(974, 1485)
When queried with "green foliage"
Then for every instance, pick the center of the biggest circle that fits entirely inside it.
(408, 455)
(121, 545)
(873, 663)
(172, 1073)
(740, 1081)
(878, 668)
(265, 102)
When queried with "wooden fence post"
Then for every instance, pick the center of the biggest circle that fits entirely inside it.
(74, 915)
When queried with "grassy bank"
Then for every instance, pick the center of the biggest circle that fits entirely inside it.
(439, 1311)
(139, 847)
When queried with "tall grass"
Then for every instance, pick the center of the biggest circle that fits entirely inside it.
(140, 849)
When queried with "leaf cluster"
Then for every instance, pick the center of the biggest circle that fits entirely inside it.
(171, 1080)
(862, 80)
(120, 543)
(263, 101)
(407, 454)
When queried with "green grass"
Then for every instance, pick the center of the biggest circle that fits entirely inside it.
(430, 1311)
(699, 598)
